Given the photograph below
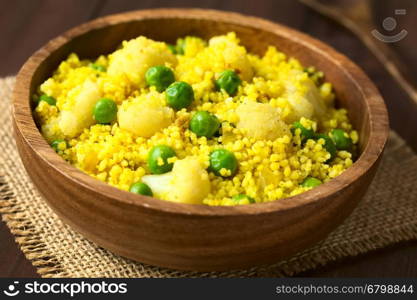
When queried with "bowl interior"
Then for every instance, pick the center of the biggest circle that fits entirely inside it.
(198, 237)
(105, 39)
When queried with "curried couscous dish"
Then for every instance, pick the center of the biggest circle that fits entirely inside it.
(199, 122)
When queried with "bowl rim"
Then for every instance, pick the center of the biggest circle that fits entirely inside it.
(378, 117)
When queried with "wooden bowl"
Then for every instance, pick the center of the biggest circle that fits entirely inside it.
(198, 237)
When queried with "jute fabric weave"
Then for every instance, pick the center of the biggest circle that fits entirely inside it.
(386, 215)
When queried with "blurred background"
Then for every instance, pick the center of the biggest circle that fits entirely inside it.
(25, 25)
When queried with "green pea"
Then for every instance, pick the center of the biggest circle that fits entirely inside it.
(328, 145)
(311, 182)
(48, 99)
(158, 159)
(223, 159)
(105, 111)
(141, 188)
(305, 133)
(55, 144)
(180, 47)
(179, 95)
(98, 67)
(243, 199)
(228, 81)
(204, 123)
(160, 77)
(172, 48)
(341, 139)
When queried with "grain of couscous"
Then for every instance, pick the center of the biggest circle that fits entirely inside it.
(197, 122)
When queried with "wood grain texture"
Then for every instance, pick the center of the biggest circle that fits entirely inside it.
(198, 237)
(357, 16)
(399, 260)
(11, 263)
(27, 25)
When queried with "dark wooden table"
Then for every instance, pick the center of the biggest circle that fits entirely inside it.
(25, 25)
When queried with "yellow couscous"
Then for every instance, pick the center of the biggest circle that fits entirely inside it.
(197, 122)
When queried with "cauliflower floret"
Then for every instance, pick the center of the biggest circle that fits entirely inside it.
(261, 121)
(145, 115)
(188, 182)
(71, 122)
(304, 97)
(136, 57)
(233, 56)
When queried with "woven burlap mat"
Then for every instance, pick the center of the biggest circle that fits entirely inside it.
(386, 215)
